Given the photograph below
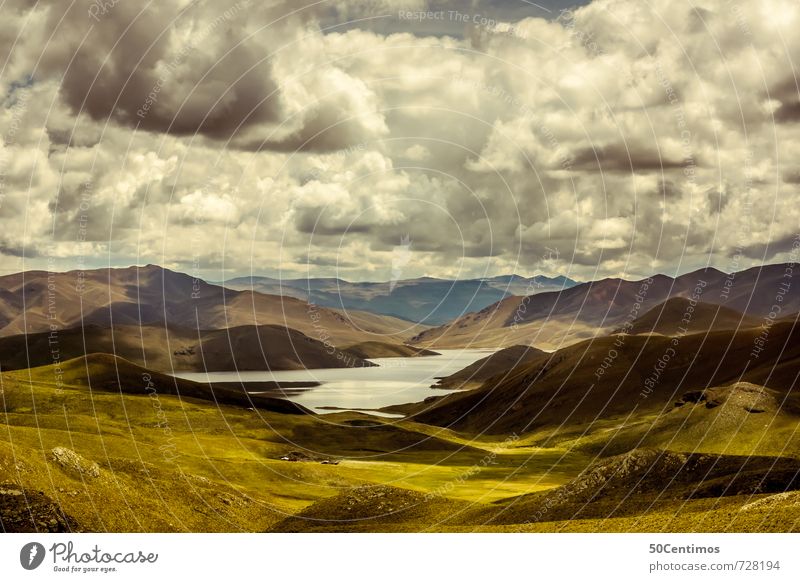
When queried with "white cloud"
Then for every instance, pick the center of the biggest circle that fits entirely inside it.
(630, 136)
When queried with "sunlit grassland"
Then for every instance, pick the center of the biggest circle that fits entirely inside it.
(180, 464)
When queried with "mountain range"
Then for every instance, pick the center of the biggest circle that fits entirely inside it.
(173, 321)
(425, 300)
(179, 349)
(35, 301)
(551, 320)
(663, 403)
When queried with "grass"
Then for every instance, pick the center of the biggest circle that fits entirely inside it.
(160, 457)
(724, 515)
(179, 464)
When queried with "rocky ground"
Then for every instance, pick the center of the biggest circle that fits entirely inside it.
(23, 510)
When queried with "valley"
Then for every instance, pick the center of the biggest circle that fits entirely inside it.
(645, 424)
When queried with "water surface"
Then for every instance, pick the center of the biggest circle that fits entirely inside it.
(393, 381)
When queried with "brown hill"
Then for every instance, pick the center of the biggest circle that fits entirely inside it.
(587, 310)
(670, 317)
(498, 325)
(34, 301)
(618, 376)
(107, 373)
(502, 362)
(266, 347)
(374, 349)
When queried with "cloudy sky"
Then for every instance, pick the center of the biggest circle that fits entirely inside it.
(618, 138)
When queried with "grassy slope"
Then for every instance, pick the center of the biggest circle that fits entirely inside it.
(665, 319)
(565, 387)
(266, 347)
(172, 464)
(647, 490)
(653, 490)
(761, 513)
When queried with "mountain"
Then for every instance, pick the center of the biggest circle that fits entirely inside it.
(426, 299)
(38, 301)
(666, 318)
(555, 319)
(620, 377)
(177, 349)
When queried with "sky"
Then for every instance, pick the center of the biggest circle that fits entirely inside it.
(329, 138)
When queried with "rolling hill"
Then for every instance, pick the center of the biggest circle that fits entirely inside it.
(244, 348)
(503, 362)
(619, 377)
(107, 373)
(649, 480)
(741, 418)
(666, 319)
(383, 350)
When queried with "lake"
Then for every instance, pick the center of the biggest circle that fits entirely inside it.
(394, 381)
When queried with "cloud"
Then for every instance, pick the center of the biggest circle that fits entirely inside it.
(168, 68)
(623, 158)
(629, 136)
(202, 69)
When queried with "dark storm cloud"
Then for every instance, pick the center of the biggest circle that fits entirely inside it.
(321, 261)
(325, 129)
(319, 221)
(792, 175)
(669, 190)
(622, 158)
(197, 70)
(767, 251)
(15, 250)
(128, 66)
(717, 200)
(61, 138)
(698, 19)
(788, 112)
(788, 93)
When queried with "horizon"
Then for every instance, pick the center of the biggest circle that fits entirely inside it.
(514, 141)
(221, 282)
